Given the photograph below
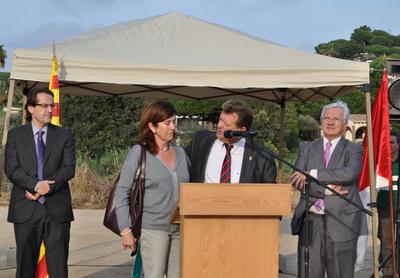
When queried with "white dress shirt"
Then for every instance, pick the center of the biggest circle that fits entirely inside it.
(216, 158)
(334, 142)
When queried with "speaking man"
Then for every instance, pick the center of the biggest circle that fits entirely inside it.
(218, 159)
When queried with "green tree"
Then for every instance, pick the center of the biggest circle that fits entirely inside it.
(396, 40)
(378, 50)
(362, 35)
(101, 124)
(340, 49)
(375, 77)
(208, 110)
(309, 128)
(349, 50)
(3, 56)
(291, 126)
(387, 41)
(266, 122)
(325, 49)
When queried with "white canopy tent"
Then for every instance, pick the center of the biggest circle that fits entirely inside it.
(178, 56)
(175, 55)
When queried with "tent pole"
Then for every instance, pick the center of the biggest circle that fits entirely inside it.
(24, 100)
(282, 104)
(372, 178)
(6, 127)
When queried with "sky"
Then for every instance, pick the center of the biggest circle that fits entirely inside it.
(299, 24)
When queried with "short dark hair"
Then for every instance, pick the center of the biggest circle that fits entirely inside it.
(31, 99)
(244, 112)
(154, 113)
(395, 133)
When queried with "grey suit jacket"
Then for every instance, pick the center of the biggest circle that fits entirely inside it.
(343, 220)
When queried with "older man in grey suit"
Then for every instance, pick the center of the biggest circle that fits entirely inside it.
(334, 224)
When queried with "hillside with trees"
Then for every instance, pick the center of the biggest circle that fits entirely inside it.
(364, 45)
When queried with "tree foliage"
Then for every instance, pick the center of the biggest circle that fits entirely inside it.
(362, 35)
(101, 124)
(3, 56)
(364, 44)
(363, 41)
(207, 110)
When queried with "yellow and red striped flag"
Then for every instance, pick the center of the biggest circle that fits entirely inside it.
(41, 268)
(54, 86)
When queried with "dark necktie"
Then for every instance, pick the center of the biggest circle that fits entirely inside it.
(40, 157)
(226, 165)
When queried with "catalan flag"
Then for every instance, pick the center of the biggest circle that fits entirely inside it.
(41, 268)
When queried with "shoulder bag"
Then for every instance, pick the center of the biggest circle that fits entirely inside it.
(135, 200)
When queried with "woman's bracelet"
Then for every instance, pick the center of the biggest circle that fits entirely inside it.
(126, 232)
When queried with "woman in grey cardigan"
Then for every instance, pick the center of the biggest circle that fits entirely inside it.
(166, 167)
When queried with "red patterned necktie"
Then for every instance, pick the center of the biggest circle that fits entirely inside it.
(226, 165)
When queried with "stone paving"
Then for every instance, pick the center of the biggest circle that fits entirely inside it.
(96, 252)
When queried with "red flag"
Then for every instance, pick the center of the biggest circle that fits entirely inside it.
(41, 268)
(381, 141)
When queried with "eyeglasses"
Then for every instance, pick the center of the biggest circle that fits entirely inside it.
(45, 106)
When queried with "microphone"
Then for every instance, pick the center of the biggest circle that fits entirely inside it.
(231, 133)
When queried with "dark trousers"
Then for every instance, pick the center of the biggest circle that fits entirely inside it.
(385, 237)
(336, 259)
(29, 236)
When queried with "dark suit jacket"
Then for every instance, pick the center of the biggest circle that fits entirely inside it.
(257, 166)
(21, 169)
(343, 220)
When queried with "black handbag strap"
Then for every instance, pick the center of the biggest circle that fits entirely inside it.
(137, 193)
(139, 175)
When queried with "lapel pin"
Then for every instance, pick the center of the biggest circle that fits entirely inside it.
(250, 158)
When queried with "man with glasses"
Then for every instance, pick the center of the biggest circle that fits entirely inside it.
(334, 224)
(39, 161)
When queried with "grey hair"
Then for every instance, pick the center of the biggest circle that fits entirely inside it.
(338, 104)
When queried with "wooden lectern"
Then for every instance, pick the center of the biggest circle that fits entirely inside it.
(231, 230)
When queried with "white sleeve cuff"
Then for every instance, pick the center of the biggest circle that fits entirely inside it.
(314, 173)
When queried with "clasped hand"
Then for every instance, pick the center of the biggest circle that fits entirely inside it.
(298, 180)
(42, 188)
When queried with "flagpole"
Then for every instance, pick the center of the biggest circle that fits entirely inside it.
(394, 255)
(372, 179)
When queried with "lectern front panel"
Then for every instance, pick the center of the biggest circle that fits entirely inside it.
(226, 247)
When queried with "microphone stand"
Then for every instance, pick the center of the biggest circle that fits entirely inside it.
(306, 191)
(398, 221)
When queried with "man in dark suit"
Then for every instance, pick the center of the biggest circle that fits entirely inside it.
(334, 224)
(39, 161)
(248, 162)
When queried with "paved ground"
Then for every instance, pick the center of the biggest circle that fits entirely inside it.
(96, 252)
